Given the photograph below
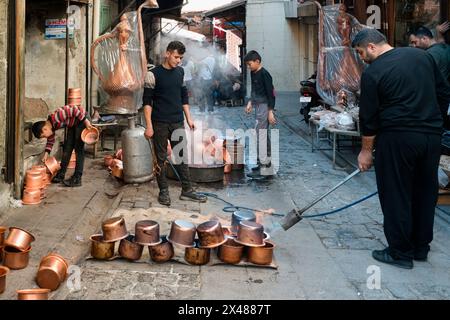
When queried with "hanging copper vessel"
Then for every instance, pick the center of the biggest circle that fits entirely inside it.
(122, 81)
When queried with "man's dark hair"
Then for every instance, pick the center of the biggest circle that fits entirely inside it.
(176, 45)
(366, 36)
(252, 56)
(423, 32)
(37, 128)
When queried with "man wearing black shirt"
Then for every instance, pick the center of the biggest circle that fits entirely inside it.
(401, 94)
(165, 100)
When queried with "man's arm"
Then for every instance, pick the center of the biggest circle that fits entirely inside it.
(369, 120)
(148, 121)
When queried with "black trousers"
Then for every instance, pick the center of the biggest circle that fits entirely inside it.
(406, 165)
(72, 142)
(163, 132)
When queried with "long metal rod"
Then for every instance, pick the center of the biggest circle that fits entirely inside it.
(66, 75)
(19, 95)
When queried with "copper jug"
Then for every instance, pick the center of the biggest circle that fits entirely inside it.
(122, 80)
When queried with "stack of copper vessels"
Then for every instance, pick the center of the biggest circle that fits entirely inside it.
(74, 97)
(37, 180)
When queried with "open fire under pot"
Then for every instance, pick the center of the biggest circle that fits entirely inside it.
(200, 173)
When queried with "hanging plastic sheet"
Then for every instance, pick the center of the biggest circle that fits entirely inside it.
(339, 65)
(121, 66)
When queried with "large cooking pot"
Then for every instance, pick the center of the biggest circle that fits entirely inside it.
(261, 255)
(197, 256)
(200, 173)
(3, 272)
(15, 259)
(129, 249)
(52, 271)
(33, 294)
(19, 239)
(162, 252)
(100, 249)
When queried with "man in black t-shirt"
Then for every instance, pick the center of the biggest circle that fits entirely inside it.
(401, 94)
(165, 100)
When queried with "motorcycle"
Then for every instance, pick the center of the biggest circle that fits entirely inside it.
(309, 97)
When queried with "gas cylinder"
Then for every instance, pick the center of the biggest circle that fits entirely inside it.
(137, 155)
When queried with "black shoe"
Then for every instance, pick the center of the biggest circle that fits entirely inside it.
(193, 196)
(164, 197)
(257, 168)
(256, 175)
(421, 257)
(74, 181)
(59, 177)
(385, 257)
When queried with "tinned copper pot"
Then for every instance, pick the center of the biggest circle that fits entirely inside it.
(2, 234)
(231, 251)
(52, 271)
(100, 249)
(210, 234)
(196, 255)
(52, 165)
(129, 249)
(162, 252)
(19, 239)
(147, 233)
(3, 272)
(114, 229)
(33, 294)
(15, 259)
(250, 234)
(239, 216)
(182, 233)
(261, 255)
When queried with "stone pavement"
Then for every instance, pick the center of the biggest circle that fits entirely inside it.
(320, 258)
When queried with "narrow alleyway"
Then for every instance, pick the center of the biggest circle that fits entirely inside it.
(320, 258)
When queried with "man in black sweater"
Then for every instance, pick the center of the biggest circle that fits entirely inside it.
(165, 100)
(401, 94)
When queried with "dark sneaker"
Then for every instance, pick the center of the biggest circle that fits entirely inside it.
(421, 257)
(257, 168)
(193, 196)
(385, 257)
(74, 181)
(256, 175)
(59, 177)
(164, 198)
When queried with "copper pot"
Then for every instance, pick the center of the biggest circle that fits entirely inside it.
(129, 249)
(239, 216)
(162, 252)
(261, 255)
(31, 196)
(231, 252)
(15, 259)
(1, 253)
(197, 256)
(2, 234)
(108, 159)
(33, 294)
(250, 234)
(100, 249)
(3, 272)
(114, 229)
(90, 136)
(147, 232)
(41, 169)
(117, 168)
(33, 179)
(210, 234)
(52, 271)
(19, 239)
(52, 165)
(182, 233)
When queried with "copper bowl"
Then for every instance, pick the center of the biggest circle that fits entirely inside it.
(162, 252)
(129, 249)
(239, 216)
(261, 255)
(33, 294)
(3, 272)
(31, 196)
(147, 233)
(114, 229)
(52, 165)
(210, 234)
(19, 239)
(231, 251)
(197, 256)
(2, 234)
(182, 233)
(52, 271)
(90, 136)
(15, 259)
(100, 249)
(250, 234)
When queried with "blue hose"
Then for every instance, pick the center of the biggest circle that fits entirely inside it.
(231, 207)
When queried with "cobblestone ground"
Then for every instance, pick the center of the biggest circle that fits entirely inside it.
(320, 258)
